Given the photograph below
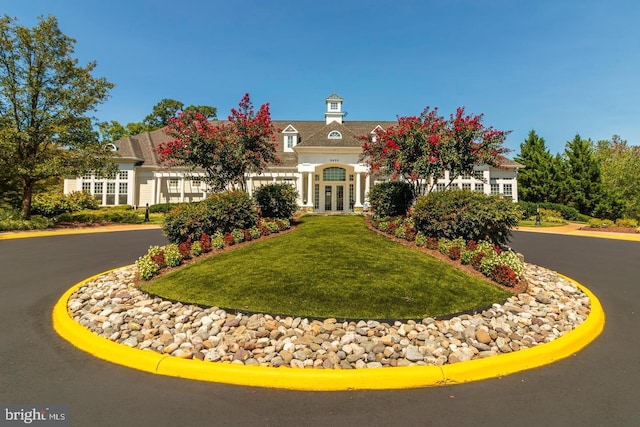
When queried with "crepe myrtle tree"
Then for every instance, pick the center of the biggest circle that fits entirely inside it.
(419, 149)
(226, 151)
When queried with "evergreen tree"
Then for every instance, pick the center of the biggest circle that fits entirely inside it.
(583, 174)
(536, 180)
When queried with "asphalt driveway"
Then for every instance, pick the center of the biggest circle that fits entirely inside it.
(596, 387)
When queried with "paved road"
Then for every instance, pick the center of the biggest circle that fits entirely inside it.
(596, 387)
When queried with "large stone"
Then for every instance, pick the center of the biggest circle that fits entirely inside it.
(483, 336)
(413, 354)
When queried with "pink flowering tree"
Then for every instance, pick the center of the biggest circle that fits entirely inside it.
(419, 149)
(225, 151)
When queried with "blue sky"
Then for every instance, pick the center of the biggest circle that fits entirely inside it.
(559, 67)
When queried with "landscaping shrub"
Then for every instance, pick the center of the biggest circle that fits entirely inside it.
(221, 211)
(196, 249)
(102, 215)
(228, 239)
(205, 243)
(568, 213)
(255, 232)
(238, 235)
(420, 239)
(277, 200)
(162, 207)
(172, 255)
(51, 205)
(11, 220)
(217, 240)
(147, 268)
(454, 252)
(627, 222)
(431, 243)
(389, 199)
(504, 275)
(467, 215)
(185, 249)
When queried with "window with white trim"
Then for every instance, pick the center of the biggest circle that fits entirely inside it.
(466, 186)
(333, 106)
(507, 190)
(289, 141)
(334, 134)
(495, 189)
(479, 187)
(173, 185)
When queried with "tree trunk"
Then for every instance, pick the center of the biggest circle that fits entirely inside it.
(27, 195)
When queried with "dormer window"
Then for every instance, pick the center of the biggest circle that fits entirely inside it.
(290, 138)
(334, 134)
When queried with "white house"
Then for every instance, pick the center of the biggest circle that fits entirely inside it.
(318, 157)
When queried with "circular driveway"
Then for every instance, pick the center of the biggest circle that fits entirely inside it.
(597, 386)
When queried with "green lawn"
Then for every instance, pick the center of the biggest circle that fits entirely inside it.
(330, 266)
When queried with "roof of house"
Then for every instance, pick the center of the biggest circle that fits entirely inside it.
(311, 133)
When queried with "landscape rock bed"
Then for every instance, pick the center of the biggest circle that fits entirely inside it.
(113, 307)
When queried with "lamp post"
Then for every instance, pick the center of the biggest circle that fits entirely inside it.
(537, 215)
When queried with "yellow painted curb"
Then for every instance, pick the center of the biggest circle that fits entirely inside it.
(72, 231)
(328, 379)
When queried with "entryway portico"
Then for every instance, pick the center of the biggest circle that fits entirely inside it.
(334, 186)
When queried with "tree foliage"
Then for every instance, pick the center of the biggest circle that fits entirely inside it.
(583, 174)
(620, 164)
(226, 151)
(44, 98)
(159, 117)
(536, 180)
(420, 148)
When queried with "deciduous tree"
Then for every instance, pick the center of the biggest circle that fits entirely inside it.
(44, 100)
(225, 151)
(420, 148)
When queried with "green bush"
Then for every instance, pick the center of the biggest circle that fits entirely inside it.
(172, 255)
(467, 215)
(389, 199)
(277, 200)
(627, 222)
(219, 212)
(11, 220)
(568, 213)
(51, 205)
(162, 207)
(147, 268)
(101, 215)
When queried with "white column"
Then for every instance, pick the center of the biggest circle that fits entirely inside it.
(358, 199)
(367, 184)
(250, 184)
(299, 188)
(310, 190)
(131, 188)
(182, 182)
(156, 190)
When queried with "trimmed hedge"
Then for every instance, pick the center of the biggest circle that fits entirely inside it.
(51, 205)
(389, 199)
(568, 213)
(467, 215)
(223, 212)
(277, 200)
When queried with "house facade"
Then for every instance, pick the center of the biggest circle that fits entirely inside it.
(319, 158)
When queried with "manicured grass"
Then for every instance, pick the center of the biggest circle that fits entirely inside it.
(330, 266)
